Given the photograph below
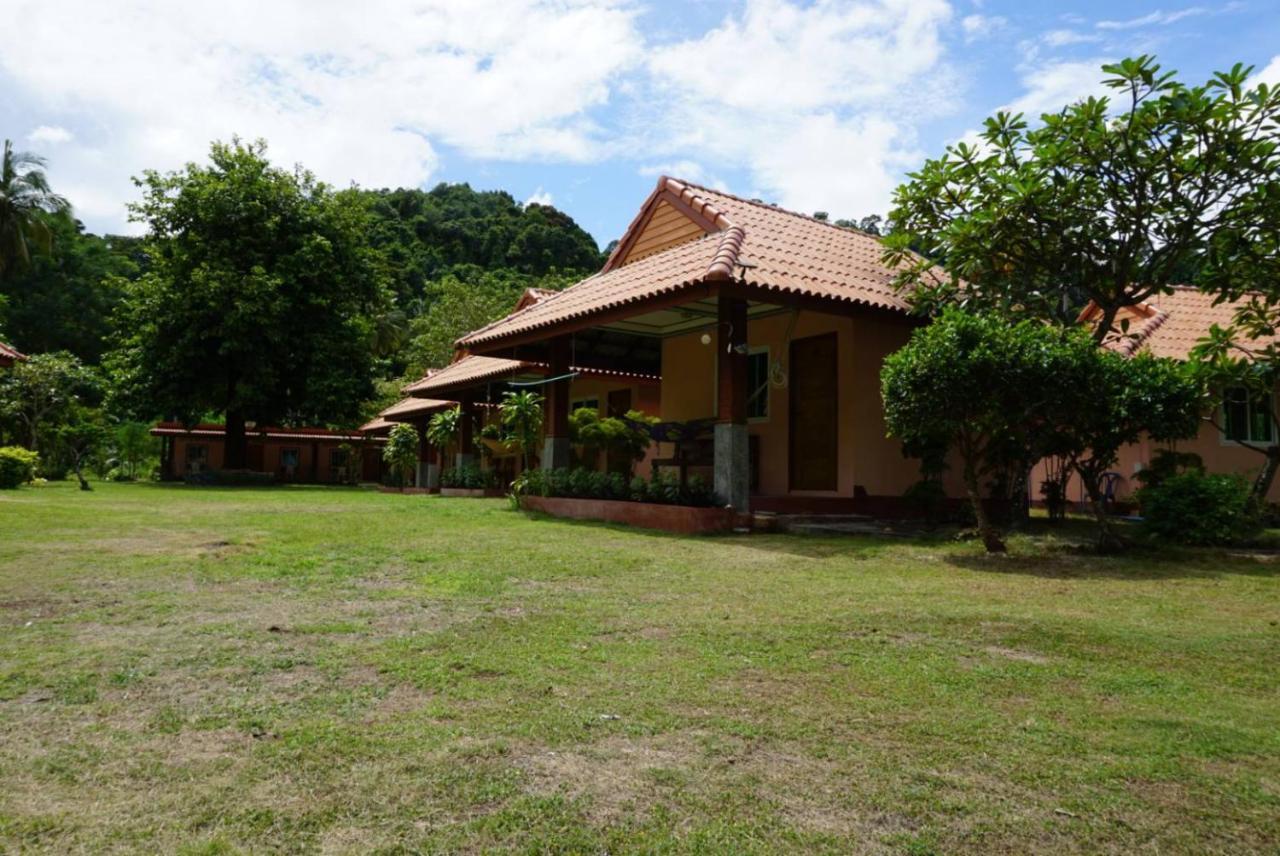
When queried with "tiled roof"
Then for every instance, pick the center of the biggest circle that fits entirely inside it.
(1170, 325)
(377, 425)
(756, 245)
(472, 370)
(10, 354)
(209, 429)
(464, 372)
(409, 407)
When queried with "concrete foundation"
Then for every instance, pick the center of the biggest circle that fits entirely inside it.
(732, 465)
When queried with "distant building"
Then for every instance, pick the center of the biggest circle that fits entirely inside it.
(310, 455)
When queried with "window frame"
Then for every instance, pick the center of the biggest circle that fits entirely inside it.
(754, 352)
(1225, 439)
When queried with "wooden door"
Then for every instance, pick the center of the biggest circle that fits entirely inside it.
(813, 423)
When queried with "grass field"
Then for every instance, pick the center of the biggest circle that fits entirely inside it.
(337, 670)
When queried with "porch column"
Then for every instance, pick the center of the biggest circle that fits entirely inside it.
(555, 446)
(466, 422)
(422, 478)
(732, 464)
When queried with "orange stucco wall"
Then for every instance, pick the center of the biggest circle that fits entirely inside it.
(271, 456)
(866, 458)
(1219, 456)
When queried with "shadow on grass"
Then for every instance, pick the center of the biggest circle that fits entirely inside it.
(1141, 562)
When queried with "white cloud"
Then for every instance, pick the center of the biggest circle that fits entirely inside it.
(356, 92)
(1269, 75)
(816, 102)
(50, 134)
(1156, 18)
(1062, 38)
(539, 197)
(977, 27)
(1052, 86)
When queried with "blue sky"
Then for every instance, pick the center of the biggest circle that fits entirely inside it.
(582, 103)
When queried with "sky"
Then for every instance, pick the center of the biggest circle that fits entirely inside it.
(816, 106)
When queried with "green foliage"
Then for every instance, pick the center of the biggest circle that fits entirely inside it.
(81, 439)
(621, 439)
(990, 390)
(25, 205)
(64, 299)
(259, 299)
(427, 235)
(582, 483)
(521, 414)
(927, 498)
(17, 466)
(1091, 205)
(444, 428)
(469, 476)
(1167, 463)
(462, 300)
(132, 447)
(1200, 508)
(39, 395)
(401, 452)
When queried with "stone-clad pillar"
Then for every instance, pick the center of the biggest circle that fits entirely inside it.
(732, 460)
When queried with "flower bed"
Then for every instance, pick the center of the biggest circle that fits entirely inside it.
(682, 519)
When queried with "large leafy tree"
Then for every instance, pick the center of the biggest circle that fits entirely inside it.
(258, 301)
(26, 200)
(989, 391)
(1111, 199)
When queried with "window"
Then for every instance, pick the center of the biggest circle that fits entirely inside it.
(197, 457)
(588, 403)
(289, 458)
(758, 384)
(1247, 418)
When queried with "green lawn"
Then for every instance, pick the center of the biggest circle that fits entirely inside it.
(338, 670)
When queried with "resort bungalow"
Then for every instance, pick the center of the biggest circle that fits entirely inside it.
(10, 355)
(1170, 325)
(764, 328)
(313, 455)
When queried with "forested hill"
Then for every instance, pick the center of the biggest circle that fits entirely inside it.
(427, 234)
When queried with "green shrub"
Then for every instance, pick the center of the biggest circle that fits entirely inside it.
(589, 484)
(927, 498)
(469, 477)
(1200, 508)
(17, 466)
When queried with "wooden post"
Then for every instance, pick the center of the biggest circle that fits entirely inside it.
(555, 446)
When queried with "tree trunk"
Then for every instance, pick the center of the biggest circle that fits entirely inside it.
(990, 537)
(1262, 484)
(84, 485)
(236, 447)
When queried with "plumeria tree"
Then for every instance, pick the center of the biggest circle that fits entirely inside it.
(1111, 199)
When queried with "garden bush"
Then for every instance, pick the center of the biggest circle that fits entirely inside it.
(582, 483)
(1200, 508)
(469, 477)
(17, 466)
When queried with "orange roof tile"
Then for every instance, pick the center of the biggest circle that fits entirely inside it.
(472, 370)
(212, 429)
(376, 426)
(464, 372)
(1169, 325)
(407, 408)
(10, 355)
(756, 245)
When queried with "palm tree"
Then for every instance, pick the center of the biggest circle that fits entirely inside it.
(522, 415)
(25, 200)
